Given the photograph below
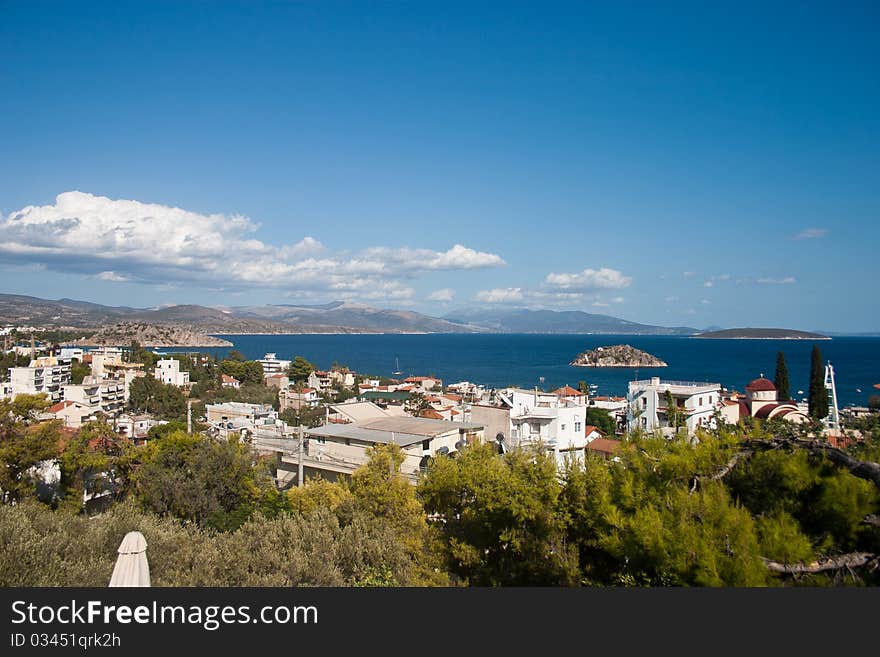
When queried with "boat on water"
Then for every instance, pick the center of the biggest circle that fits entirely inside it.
(396, 367)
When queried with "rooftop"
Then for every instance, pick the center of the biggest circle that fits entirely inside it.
(402, 431)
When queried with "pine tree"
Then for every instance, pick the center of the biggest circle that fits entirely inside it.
(818, 401)
(781, 378)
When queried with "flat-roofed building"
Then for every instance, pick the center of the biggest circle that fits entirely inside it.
(335, 450)
(44, 375)
(695, 403)
(168, 372)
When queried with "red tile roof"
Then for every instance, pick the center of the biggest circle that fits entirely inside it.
(567, 391)
(590, 429)
(60, 406)
(761, 385)
(604, 445)
(431, 413)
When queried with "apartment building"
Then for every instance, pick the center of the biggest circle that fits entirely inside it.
(695, 404)
(46, 375)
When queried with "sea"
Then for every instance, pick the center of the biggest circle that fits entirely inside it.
(529, 360)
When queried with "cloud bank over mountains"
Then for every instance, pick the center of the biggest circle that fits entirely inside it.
(124, 240)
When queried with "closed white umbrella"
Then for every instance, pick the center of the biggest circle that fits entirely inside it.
(131, 567)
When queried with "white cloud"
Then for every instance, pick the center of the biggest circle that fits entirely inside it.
(705, 302)
(500, 295)
(708, 283)
(444, 294)
(618, 300)
(688, 274)
(111, 276)
(589, 279)
(118, 240)
(811, 233)
(600, 304)
(670, 299)
(788, 280)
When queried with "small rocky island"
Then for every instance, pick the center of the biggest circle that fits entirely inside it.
(620, 355)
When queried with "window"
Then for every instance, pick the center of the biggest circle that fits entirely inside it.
(562, 428)
(700, 402)
(577, 427)
(426, 444)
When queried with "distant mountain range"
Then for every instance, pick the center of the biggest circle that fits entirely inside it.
(553, 321)
(336, 317)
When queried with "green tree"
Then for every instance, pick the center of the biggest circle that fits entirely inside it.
(300, 369)
(78, 371)
(416, 404)
(874, 402)
(674, 416)
(601, 419)
(818, 397)
(95, 460)
(24, 444)
(497, 516)
(383, 494)
(165, 401)
(780, 380)
(236, 355)
(199, 479)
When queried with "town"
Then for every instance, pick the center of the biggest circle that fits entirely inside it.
(323, 423)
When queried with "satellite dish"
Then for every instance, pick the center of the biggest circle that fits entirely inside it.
(443, 450)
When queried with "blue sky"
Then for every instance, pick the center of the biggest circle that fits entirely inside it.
(682, 164)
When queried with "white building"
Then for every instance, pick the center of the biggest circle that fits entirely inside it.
(253, 413)
(168, 372)
(695, 402)
(531, 417)
(272, 365)
(72, 414)
(69, 353)
(98, 395)
(44, 375)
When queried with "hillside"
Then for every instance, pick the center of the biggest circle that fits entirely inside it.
(337, 317)
(151, 335)
(353, 316)
(552, 321)
(761, 334)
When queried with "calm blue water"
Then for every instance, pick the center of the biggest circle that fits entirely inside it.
(502, 360)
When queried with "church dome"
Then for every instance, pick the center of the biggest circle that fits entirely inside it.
(761, 385)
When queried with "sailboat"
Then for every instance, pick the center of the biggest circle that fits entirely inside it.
(396, 367)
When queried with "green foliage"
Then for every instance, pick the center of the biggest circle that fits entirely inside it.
(300, 369)
(45, 548)
(78, 371)
(94, 460)
(642, 521)
(308, 417)
(11, 359)
(161, 430)
(196, 478)
(236, 355)
(379, 491)
(602, 419)
(24, 444)
(780, 380)
(497, 517)
(247, 372)
(164, 401)
(818, 394)
(416, 403)
(874, 402)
